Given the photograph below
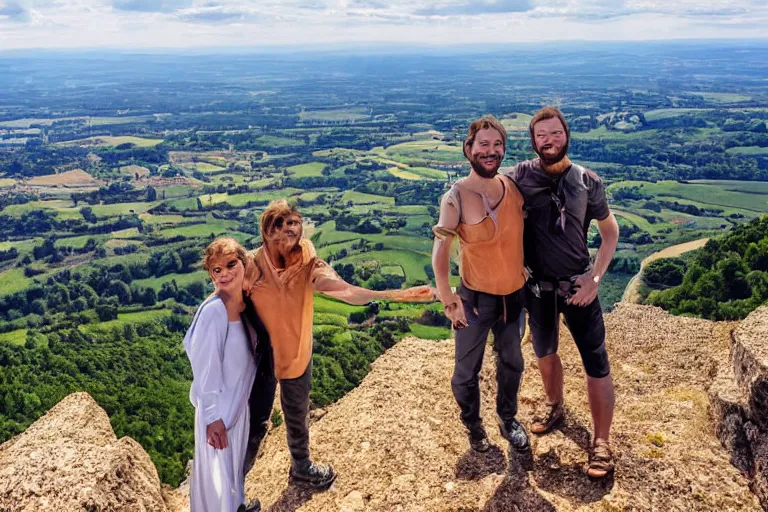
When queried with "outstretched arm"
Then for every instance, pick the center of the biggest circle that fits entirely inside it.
(328, 282)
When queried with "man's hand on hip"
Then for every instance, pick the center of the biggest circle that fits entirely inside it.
(586, 290)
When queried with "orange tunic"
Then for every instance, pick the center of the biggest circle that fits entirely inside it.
(491, 258)
(284, 300)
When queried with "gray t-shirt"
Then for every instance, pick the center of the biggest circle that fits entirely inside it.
(549, 251)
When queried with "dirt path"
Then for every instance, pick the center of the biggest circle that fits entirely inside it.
(632, 291)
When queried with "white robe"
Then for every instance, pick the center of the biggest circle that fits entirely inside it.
(223, 371)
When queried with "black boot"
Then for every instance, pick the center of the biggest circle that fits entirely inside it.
(253, 506)
(478, 439)
(312, 474)
(513, 431)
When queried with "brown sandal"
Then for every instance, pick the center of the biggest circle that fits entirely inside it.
(553, 416)
(601, 462)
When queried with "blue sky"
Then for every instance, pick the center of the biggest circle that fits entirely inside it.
(250, 23)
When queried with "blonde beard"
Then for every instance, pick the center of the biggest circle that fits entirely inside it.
(557, 167)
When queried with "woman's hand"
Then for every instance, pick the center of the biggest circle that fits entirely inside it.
(216, 433)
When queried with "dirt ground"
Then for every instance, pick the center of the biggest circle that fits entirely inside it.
(397, 443)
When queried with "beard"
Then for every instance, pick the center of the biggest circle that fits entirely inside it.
(478, 167)
(549, 159)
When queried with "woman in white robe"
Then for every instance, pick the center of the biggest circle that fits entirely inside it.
(219, 344)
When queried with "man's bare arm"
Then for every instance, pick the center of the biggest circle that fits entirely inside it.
(609, 236)
(441, 249)
(587, 287)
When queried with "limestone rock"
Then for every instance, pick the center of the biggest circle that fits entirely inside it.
(70, 459)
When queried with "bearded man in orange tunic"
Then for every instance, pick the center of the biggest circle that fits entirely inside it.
(287, 272)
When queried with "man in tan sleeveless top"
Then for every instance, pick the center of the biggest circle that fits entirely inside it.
(485, 212)
(287, 272)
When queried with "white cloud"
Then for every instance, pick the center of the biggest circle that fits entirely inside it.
(202, 23)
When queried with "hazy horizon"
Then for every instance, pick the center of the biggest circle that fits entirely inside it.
(207, 24)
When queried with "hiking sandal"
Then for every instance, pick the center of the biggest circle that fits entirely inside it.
(543, 423)
(601, 462)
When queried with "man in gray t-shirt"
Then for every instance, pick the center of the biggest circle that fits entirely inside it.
(561, 199)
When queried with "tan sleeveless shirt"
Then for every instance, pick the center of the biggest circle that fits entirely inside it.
(491, 251)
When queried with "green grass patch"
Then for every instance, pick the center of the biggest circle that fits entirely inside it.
(138, 317)
(430, 332)
(667, 113)
(109, 141)
(602, 132)
(158, 220)
(307, 170)
(331, 319)
(181, 279)
(516, 122)
(362, 198)
(210, 227)
(635, 219)
(23, 246)
(426, 172)
(78, 242)
(13, 280)
(278, 142)
(7, 182)
(403, 174)
(747, 150)
(341, 114)
(17, 337)
(114, 210)
(722, 97)
(711, 195)
(412, 263)
(327, 305)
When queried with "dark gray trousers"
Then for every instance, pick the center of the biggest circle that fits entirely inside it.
(470, 347)
(294, 398)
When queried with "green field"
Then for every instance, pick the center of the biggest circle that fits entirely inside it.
(342, 114)
(109, 141)
(78, 242)
(327, 305)
(404, 175)
(411, 262)
(747, 150)
(138, 317)
(278, 142)
(430, 332)
(722, 97)
(516, 122)
(181, 279)
(307, 170)
(712, 195)
(23, 246)
(17, 337)
(13, 280)
(602, 132)
(7, 182)
(667, 113)
(95, 121)
(417, 152)
(749, 187)
(210, 227)
(362, 198)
